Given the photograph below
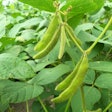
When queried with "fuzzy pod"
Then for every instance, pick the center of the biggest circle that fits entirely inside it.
(62, 42)
(48, 34)
(76, 82)
(75, 39)
(49, 45)
(66, 82)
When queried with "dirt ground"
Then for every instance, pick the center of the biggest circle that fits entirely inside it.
(21, 107)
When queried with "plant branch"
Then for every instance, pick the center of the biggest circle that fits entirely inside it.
(45, 109)
(27, 106)
(83, 99)
(10, 109)
(99, 37)
(68, 104)
(106, 109)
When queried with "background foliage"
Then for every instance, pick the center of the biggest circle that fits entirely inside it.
(22, 25)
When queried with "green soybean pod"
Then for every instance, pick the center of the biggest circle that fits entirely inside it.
(62, 42)
(48, 34)
(72, 32)
(71, 35)
(76, 82)
(49, 45)
(66, 82)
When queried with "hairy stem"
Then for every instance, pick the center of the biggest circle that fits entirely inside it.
(43, 106)
(27, 106)
(68, 104)
(106, 109)
(99, 37)
(83, 99)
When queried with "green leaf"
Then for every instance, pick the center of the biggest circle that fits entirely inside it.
(84, 27)
(30, 48)
(15, 92)
(90, 77)
(41, 65)
(101, 66)
(82, 6)
(73, 53)
(96, 31)
(6, 41)
(104, 100)
(104, 81)
(36, 106)
(1, 6)
(49, 75)
(74, 21)
(61, 107)
(15, 68)
(3, 107)
(2, 25)
(92, 95)
(46, 5)
(86, 37)
(28, 34)
(27, 24)
(98, 15)
(96, 50)
(14, 48)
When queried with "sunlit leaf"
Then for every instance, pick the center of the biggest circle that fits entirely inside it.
(81, 6)
(2, 25)
(15, 92)
(50, 75)
(104, 81)
(14, 67)
(105, 66)
(92, 95)
(90, 77)
(27, 24)
(46, 5)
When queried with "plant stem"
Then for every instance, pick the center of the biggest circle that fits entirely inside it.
(110, 104)
(45, 109)
(10, 109)
(99, 37)
(59, 17)
(83, 99)
(68, 104)
(27, 106)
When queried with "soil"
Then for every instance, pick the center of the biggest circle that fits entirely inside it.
(21, 107)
